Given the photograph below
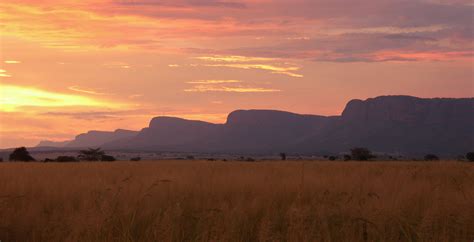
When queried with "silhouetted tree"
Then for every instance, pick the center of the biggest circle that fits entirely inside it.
(283, 156)
(361, 154)
(21, 154)
(66, 159)
(107, 158)
(1, 159)
(332, 158)
(431, 157)
(470, 156)
(91, 154)
(347, 157)
(138, 158)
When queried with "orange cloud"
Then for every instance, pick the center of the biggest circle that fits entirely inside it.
(244, 62)
(202, 88)
(213, 81)
(423, 56)
(88, 91)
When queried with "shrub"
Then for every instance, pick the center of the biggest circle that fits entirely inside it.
(283, 156)
(1, 159)
(48, 160)
(107, 158)
(91, 154)
(332, 158)
(138, 158)
(21, 154)
(66, 159)
(470, 156)
(361, 154)
(347, 157)
(431, 157)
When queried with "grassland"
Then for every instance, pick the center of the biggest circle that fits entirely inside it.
(235, 201)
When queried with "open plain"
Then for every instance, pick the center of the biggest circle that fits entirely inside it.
(237, 201)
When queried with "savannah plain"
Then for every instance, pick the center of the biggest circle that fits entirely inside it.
(237, 201)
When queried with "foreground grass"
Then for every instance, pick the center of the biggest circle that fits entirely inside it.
(231, 201)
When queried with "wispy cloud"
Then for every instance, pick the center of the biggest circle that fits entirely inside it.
(3, 73)
(205, 88)
(117, 64)
(273, 65)
(87, 91)
(226, 86)
(234, 58)
(12, 62)
(213, 81)
(289, 71)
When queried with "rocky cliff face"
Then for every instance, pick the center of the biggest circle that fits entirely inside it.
(404, 124)
(389, 124)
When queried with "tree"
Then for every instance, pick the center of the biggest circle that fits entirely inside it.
(21, 154)
(347, 157)
(283, 156)
(470, 156)
(361, 154)
(107, 158)
(66, 159)
(91, 154)
(138, 158)
(431, 157)
(332, 158)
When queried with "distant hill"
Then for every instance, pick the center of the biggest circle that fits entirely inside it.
(91, 139)
(47, 143)
(387, 124)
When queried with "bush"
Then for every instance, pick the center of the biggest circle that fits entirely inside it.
(1, 159)
(21, 154)
(361, 154)
(347, 157)
(332, 158)
(91, 154)
(431, 157)
(66, 159)
(470, 156)
(138, 158)
(107, 158)
(283, 156)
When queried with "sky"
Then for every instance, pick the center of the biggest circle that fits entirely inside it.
(67, 67)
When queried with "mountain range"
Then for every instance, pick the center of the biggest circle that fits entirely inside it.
(386, 124)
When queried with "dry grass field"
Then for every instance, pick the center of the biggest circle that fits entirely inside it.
(236, 201)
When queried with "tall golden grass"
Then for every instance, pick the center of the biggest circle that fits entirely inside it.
(231, 201)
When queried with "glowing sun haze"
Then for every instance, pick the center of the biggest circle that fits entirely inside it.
(67, 67)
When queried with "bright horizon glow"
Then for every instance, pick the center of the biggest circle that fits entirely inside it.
(14, 98)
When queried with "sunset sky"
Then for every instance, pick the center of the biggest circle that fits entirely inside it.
(67, 67)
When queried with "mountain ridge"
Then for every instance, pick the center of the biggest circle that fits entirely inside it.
(390, 124)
